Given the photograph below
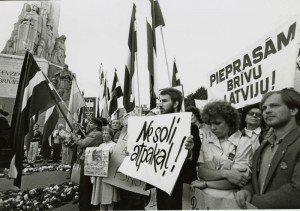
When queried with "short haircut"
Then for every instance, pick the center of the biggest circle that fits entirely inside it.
(109, 130)
(290, 98)
(244, 111)
(195, 111)
(175, 95)
(222, 109)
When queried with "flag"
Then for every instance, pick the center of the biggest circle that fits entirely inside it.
(51, 119)
(157, 20)
(76, 102)
(33, 96)
(175, 78)
(116, 92)
(129, 99)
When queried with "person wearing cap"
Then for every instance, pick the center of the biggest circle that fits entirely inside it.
(92, 139)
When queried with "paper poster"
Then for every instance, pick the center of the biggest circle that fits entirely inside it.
(119, 179)
(96, 162)
(156, 148)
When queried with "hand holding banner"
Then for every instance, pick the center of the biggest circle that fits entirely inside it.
(156, 148)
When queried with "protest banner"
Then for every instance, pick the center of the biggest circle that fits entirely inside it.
(297, 74)
(119, 179)
(156, 148)
(267, 65)
(96, 162)
(196, 199)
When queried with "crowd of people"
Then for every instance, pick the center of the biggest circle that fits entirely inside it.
(247, 155)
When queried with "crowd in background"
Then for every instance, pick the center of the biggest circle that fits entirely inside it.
(251, 155)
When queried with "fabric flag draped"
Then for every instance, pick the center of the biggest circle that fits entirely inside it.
(116, 92)
(128, 98)
(51, 119)
(33, 97)
(157, 20)
(76, 102)
(175, 78)
(104, 95)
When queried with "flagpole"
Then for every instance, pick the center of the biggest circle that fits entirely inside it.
(59, 106)
(137, 67)
(165, 52)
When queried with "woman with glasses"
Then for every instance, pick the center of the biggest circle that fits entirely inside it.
(224, 161)
(252, 126)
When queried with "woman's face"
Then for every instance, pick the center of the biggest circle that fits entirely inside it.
(194, 118)
(116, 124)
(219, 127)
(105, 135)
(254, 117)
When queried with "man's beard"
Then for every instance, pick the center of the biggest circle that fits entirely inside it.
(169, 111)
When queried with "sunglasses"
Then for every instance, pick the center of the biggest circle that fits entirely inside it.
(254, 114)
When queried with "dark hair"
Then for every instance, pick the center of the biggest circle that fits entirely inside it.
(175, 95)
(222, 109)
(104, 121)
(290, 98)
(244, 111)
(196, 112)
(97, 122)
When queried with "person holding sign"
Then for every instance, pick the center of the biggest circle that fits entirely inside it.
(275, 180)
(92, 139)
(104, 193)
(224, 162)
(170, 102)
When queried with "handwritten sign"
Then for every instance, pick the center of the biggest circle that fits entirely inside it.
(96, 162)
(198, 200)
(119, 179)
(156, 148)
(267, 65)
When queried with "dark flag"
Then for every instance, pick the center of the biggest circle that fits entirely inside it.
(129, 99)
(116, 92)
(33, 97)
(157, 20)
(175, 78)
(51, 119)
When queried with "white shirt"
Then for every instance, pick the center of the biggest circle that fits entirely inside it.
(232, 153)
(253, 136)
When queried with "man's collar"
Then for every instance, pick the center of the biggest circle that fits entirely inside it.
(249, 133)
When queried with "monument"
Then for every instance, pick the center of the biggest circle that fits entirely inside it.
(36, 31)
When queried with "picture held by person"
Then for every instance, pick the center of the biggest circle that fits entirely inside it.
(103, 193)
(170, 102)
(224, 162)
(275, 182)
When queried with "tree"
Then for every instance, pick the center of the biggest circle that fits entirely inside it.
(200, 94)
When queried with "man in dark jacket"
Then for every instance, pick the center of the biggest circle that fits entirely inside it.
(171, 100)
(276, 163)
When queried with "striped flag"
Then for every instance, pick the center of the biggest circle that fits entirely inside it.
(76, 102)
(175, 78)
(33, 97)
(116, 92)
(104, 97)
(51, 119)
(129, 99)
(157, 20)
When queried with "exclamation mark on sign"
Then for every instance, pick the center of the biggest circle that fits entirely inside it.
(273, 79)
(184, 138)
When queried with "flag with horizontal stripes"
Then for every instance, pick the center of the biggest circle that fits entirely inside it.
(75, 103)
(116, 93)
(175, 78)
(129, 98)
(34, 96)
(51, 119)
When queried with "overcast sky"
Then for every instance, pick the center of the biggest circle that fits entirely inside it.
(200, 34)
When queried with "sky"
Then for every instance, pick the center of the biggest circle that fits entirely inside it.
(199, 34)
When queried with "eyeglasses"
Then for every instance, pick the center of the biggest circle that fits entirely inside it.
(254, 114)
